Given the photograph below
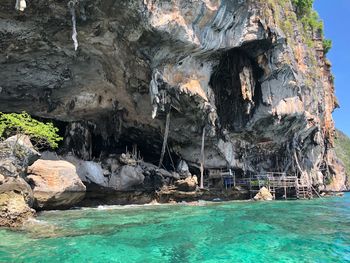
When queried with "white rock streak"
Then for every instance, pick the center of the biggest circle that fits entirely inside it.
(71, 5)
(21, 5)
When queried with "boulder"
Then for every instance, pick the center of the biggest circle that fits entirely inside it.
(116, 177)
(16, 153)
(23, 148)
(128, 177)
(92, 172)
(16, 197)
(55, 184)
(8, 168)
(89, 171)
(263, 195)
(18, 185)
(187, 185)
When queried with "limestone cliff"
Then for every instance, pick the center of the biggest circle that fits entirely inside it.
(241, 70)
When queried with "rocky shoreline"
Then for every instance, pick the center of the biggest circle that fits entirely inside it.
(30, 181)
(197, 86)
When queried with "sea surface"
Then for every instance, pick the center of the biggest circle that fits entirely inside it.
(279, 231)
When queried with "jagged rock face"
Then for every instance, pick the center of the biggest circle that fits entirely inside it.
(16, 196)
(225, 66)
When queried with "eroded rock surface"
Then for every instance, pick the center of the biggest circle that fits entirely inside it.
(188, 184)
(229, 67)
(16, 153)
(55, 184)
(16, 198)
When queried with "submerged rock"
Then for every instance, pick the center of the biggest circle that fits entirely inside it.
(263, 195)
(55, 184)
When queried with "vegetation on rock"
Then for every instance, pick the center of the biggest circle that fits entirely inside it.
(42, 134)
(303, 6)
(327, 45)
(311, 21)
(342, 149)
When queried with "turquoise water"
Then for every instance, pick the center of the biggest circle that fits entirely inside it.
(278, 231)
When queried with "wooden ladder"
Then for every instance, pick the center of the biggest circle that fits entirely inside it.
(303, 191)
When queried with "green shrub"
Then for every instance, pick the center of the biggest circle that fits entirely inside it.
(303, 7)
(312, 22)
(42, 134)
(327, 45)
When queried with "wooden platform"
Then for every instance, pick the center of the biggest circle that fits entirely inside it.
(290, 186)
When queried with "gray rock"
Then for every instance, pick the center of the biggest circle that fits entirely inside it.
(89, 171)
(16, 196)
(129, 177)
(23, 148)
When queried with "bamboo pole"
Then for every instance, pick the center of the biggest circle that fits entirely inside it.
(166, 134)
(171, 159)
(285, 189)
(202, 159)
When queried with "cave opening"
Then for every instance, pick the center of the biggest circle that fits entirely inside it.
(235, 83)
(147, 145)
(88, 143)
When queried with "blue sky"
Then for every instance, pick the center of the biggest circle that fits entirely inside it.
(336, 17)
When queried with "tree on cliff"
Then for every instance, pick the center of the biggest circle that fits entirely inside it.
(41, 134)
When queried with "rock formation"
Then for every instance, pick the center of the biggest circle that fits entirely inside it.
(230, 68)
(55, 184)
(263, 195)
(188, 184)
(16, 196)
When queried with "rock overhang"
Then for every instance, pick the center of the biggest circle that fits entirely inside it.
(122, 42)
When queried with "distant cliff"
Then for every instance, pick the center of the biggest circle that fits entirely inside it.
(250, 75)
(342, 149)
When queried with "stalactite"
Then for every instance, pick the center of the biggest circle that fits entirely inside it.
(154, 91)
(71, 6)
(166, 134)
(21, 5)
